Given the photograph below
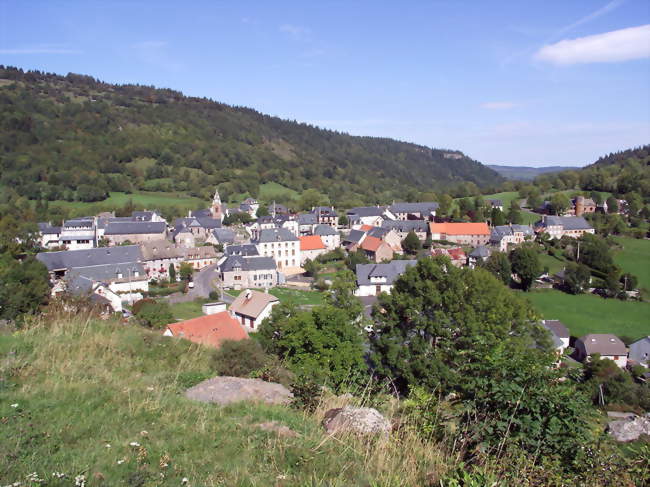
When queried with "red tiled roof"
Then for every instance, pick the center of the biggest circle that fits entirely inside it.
(211, 330)
(311, 242)
(371, 244)
(460, 228)
(365, 228)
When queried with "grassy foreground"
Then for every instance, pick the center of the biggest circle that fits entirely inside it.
(81, 396)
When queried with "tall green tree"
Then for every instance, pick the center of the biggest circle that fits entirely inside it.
(560, 202)
(411, 243)
(525, 264)
(172, 273)
(576, 278)
(498, 265)
(24, 286)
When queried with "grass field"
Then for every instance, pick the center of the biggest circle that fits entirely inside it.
(189, 310)
(635, 258)
(553, 263)
(150, 200)
(505, 197)
(296, 296)
(268, 191)
(104, 400)
(587, 313)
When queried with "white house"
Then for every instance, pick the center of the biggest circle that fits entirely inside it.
(250, 308)
(608, 346)
(373, 279)
(330, 237)
(280, 244)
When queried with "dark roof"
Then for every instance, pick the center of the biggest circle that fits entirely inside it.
(307, 219)
(47, 229)
(481, 252)
(500, 231)
(355, 236)
(567, 222)
(67, 259)
(604, 344)
(144, 216)
(322, 230)
(324, 210)
(209, 222)
(557, 328)
(640, 350)
(495, 202)
(224, 235)
(378, 232)
(79, 223)
(406, 225)
(391, 271)
(422, 208)
(367, 211)
(247, 263)
(108, 272)
(246, 250)
(278, 208)
(276, 235)
(207, 213)
(126, 228)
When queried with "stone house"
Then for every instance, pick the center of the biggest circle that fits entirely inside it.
(237, 272)
(330, 237)
(560, 226)
(414, 211)
(311, 246)
(158, 255)
(503, 236)
(403, 227)
(326, 215)
(376, 249)
(473, 234)
(118, 233)
(280, 244)
(200, 257)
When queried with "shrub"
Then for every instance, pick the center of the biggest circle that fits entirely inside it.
(154, 314)
(239, 358)
(214, 295)
(137, 306)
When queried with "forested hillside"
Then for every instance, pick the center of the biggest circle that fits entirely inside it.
(75, 138)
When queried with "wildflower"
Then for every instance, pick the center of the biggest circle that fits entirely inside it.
(58, 475)
(281, 477)
(134, 443)
(185, 480)
(144, 433)
(107, 445)
(33, 477)
(150, 388)
(120, 462)
(80, 481)
(14, 405)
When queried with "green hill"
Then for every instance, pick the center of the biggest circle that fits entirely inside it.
(78, 139)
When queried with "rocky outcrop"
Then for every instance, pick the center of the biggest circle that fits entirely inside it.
(629, 429)
(355, 420)
(227, 390)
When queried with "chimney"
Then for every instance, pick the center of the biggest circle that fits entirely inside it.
(248, 294)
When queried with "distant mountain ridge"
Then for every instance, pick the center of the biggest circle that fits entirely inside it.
(76, 138)
(526, 173)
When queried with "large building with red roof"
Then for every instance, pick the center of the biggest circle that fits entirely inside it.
(211, 330)
(473, 234)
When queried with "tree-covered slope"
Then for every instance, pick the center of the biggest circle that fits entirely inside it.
(73, 137)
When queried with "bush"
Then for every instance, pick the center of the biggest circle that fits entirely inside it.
(154, 314)
(137, 306)
(214, 295)
(307, 394)
(239, 358)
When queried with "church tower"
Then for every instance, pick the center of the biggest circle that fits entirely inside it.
(215, 209)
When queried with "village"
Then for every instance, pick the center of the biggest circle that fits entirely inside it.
(234, 271)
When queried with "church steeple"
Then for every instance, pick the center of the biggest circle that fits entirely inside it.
(215, 209)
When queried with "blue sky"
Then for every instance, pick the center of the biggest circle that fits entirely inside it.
(506, 82)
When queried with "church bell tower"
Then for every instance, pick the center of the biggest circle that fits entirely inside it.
(215, 209)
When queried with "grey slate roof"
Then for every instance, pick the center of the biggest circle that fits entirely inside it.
(500, 231)
(79, 223)
(495, 202)
(361, 211)
(209, 223)
(567, 222)
(323, 230)
(108, 272)
(68, 259)
(391, 271)
(278, 208)
(324, 210)
(47, 229)
(307, 219)
(422, 208)
(640, 350)
(480, 252)
(604, 344)
(224, 235)
(378, 232)
(276, 235)
(126, 228)
(202, 213)
(355, 236)
(406, 225)
(143, 216)
(557, 328)
(245, 250)
(247, 263)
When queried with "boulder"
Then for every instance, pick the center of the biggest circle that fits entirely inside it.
(355, 420)
(227, 390)
(629, 429)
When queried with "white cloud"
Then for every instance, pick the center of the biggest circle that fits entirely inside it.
(614, 46)
(295, 31)
(498, 105)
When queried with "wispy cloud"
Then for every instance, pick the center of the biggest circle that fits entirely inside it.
(156, 53)
(43, 49)
(614, 46)
(498, 105)
(587, 18)
(295, 31)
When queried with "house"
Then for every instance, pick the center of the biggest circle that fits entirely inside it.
(608, 346)
(200, 257)
(388, 235)
(184, 236)
(330, 237)
(559, 334)
(404, 227)
(326, 215)
(376, 249)
(473, 234)
(134, 232)
(211, 330)
(250, 206)
(250, 308)
(369, 215)
(504, 235)
(277, 209)
(479, 254)
(147, 216)
(640, 352)
(59, 263)
(495, 203)
(414, 211)
(158, 255)
(581, 205)
(246, 250)
(353, 240)
(238, 272)
(456, 255)
(311, 246)
(221, 236)
(49, 235)
(216, 211)
(280, 244)
(373, 279)
(560, 226)
(78, 234)
(199, 226)
(98, 292)
(306, 223)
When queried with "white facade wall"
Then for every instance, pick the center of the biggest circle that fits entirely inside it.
(285, 253)
(331, 241)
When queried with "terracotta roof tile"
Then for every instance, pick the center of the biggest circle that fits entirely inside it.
(211, 330)
(371, 244)
(311, 242)
(460, 228)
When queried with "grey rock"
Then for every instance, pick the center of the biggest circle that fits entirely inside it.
(355, 420)
(629, 430)
(227, 390)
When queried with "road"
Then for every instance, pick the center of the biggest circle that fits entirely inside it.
(205, 281)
